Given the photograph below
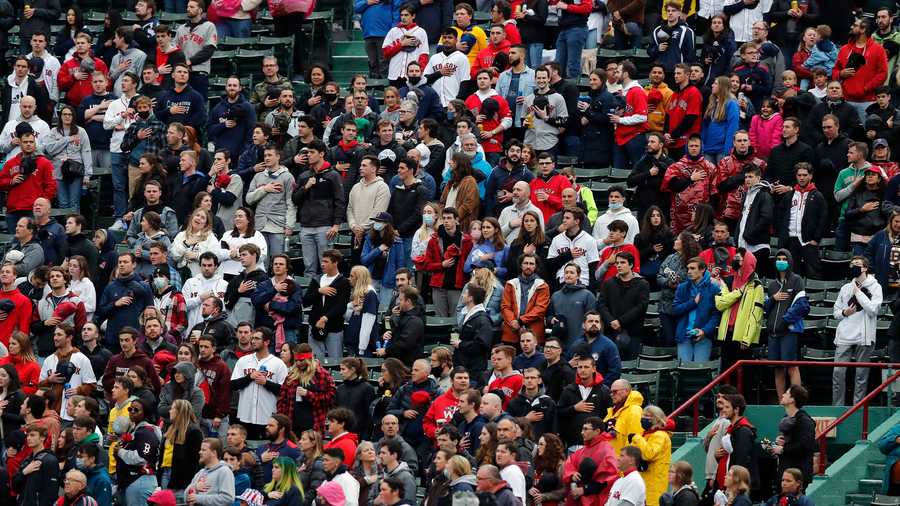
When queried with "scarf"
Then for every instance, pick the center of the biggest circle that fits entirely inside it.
(279, 321)
(347, 146)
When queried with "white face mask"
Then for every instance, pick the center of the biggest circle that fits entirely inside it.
(378, 226)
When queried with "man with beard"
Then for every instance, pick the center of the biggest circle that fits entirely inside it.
(278, 430)
(631, 122)
(547, 114)
(198, 288)
(509, 171)
(861, 76)
(887, 37)
(231, 121)
(647, 175)
(829, 156)
(690, 180)
(683, 117)
(785, 156)
(514, 84)
(594, 343)
(801, 221)
(283, 120)
(214, 323)
(144, 29)
(429, 101)
(448, 68)
(658, 96)
(511, 216)
(729, 178)
(241, 345)
(77, 243)
(258, 378)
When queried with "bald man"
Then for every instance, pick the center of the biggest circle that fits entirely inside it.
(390, 427)
(511, 217)
(54, 240)
(569, 201)
(625, 412)
(492, 408)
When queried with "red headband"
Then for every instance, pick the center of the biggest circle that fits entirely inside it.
(303, 356)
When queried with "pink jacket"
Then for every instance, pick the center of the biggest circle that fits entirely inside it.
(765, 134)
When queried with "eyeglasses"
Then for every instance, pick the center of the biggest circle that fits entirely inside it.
(552, 347)
(134, 410)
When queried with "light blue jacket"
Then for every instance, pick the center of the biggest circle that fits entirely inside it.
(526, 87)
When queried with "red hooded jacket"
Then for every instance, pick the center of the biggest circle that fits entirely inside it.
(485, 57)
(347, 442)
(29, 372)
(861, 86)
(40, 183)
(440, 412)
(601, 452)
(77, 90)
(19, 318)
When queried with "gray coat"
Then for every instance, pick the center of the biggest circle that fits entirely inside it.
(569, 304)
(33, 256)
(137, 59)
(409, 454)
(58, 147)
(220, 481)
(169, 221)
(274, 211)
(402, 473)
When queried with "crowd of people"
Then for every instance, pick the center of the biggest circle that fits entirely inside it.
(190, 353)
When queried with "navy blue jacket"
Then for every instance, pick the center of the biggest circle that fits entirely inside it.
(118, 317)
(606, 356)
(291, 309)
(52, 238)
(195, 115)
(99, 136)
(232, 139)
(429, 102)
(878, 251)
(680, 49)
(503, 179)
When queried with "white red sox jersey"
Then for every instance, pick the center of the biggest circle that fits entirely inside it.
(447, 87)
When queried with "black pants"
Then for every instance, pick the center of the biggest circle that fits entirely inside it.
(806, 259)
(287, 26)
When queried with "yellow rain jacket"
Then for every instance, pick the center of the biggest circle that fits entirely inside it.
(656, 449)
(627, 420)
(748, 301)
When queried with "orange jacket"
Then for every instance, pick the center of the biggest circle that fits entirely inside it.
(535, 310)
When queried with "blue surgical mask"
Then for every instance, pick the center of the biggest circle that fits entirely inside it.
(79, 463)
(160, 283)
(781, 265)
(451, 115)
(378, 226)
(428, 219)
(616, 205)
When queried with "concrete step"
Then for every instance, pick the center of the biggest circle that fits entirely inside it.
(858, 498)
(349, 48)
(870, 485)
(875, 470)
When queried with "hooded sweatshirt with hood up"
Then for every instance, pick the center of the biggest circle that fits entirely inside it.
(189, 392)
(786, 316)
(626, 418)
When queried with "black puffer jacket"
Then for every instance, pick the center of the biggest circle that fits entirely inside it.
(475, 338)
(867, 223)
(356, 395)
(598, 133)
(312, 474)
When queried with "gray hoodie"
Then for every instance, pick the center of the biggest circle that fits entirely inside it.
(402, 473)
(59, 148)
(190, 392)
(274, 211)
(220, 481)
(135, 57)
(568, 305)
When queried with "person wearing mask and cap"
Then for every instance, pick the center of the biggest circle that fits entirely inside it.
(785, 307)
(866, 213)
(881, 157)
(856, 309)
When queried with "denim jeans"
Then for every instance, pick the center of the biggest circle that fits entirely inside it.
(228, 27)
(695, 351)
(137, 493)
(314, 243)
(407, 252)
(175, 6)
(385, 293)
(69, 193)
(275, 243)
(569, 45)
(631, 40)
(841, 237)
(624, 157)
(591, 41)
(200, 82)
(208, 429)
(119, 165)
(535, 54)
(333, 346)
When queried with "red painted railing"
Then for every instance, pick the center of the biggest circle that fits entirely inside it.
(738, 370)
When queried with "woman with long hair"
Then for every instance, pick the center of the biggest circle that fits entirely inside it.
(720, 121)
(673, 271)
(765, 128)
(531, 239)
(307, 393)
(737, 488)
(865, 214)
(22, 357)
(195, 239)
(356, 393)
(655, 445)
(361, 313)
(69, 148)
(382, 254)
(682, 490)
(65, 37)
(285, 489)
(462, 478)
(244, 232)
(204, 200)
(181, 443)
(702, 220)
(653, 242)
(431, 217)
(493, 294)
(461, 192)
(310, 465)
(103, 45)
(63, 446)
(181, 386)
(489, 246)
(596, 128)
(549, 489)
(365, 469)
(391, 110)
(80, 284)
(488, 444)
(152, 231)
(11, 399)
(393, 375)
(718, 48)
(192, 140)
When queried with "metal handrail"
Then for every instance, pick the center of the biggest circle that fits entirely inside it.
(737, 369)
(864, 433)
